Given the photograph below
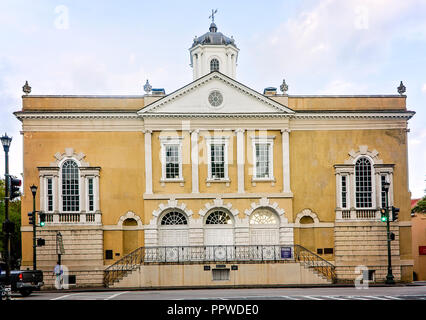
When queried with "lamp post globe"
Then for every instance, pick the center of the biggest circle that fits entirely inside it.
(33, 189)
(6, 141)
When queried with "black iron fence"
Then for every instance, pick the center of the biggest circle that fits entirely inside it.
(218, 253)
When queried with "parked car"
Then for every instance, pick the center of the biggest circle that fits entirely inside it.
(23, 281)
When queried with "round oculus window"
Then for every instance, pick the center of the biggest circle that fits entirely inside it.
(215, 98)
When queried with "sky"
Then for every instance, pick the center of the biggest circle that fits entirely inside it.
(112, 47)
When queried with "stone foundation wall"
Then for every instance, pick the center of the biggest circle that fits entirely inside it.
(364, 244)
(83, 254)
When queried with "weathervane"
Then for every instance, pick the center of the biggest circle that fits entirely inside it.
(212, 15)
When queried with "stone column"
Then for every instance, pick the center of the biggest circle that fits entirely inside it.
(148, 162)
(229, 64)
(240, 159)
(194, 161)
(286, 160)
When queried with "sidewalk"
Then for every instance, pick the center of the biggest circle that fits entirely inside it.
(338, 285)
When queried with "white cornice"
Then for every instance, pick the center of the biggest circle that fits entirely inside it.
(23, 115)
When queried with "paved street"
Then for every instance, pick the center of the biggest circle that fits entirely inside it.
(326, 293)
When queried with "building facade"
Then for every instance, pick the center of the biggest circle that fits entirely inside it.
(216, 183)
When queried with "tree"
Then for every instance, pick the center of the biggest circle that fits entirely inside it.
(420, 206)
(15, 217)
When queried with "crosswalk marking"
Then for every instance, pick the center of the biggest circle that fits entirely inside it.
(290, 298)
(391, 297)
(115, 295)
(375, 297)
(335, 298)
(313, 298)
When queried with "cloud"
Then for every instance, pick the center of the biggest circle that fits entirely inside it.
(336, 38)
(424, 87)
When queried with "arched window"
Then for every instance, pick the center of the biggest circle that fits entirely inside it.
(363, 183)
(174, 218)
(218, 217)
(214, 65)
(260, 217)
(70, 187)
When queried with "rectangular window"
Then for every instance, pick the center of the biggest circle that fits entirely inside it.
(220, 274)
(262, 160)
(344, 192)
(172, 161)
(49, 182)
(90, 193)
(217, 161)
(383, 193)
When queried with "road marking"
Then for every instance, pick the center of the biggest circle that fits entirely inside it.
(290, 298)
(313, 298)
(358, 298)
(115, 295)
(65, 296)
(378, 298)
(335, 298)
(391, 297)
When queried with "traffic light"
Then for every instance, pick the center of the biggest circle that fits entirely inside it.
(395, 212)
(40, 242)
(14, 184)
(8, 226)
(31, 217)
(42, 217)
(384, 216)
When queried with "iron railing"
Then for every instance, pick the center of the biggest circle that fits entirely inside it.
(218, 253)
(315, 262)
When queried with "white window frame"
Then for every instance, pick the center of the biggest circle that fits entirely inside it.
(270, 142)
(373, 185)
(87, 194)
(46, 197)
(61, 196)
(212, 141)
(348, 190)
(170, 141)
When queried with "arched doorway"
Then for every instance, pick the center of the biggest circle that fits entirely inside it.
(264, 227)
(173, 229)
(130, 236)
(219, 235)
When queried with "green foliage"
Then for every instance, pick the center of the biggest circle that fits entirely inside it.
(420, 206)
(15, 217)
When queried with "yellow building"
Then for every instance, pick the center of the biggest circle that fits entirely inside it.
(216, 183)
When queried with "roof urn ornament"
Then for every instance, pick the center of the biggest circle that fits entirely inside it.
(26, 88)
(284, 87)
(401, 89)
(147, 87)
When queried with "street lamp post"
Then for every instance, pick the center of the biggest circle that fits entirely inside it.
(6, 141)
(34, 191)
(389, 276)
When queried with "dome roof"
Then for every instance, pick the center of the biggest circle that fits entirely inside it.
(213, 38)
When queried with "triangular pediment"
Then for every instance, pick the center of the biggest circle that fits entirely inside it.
(194, 99)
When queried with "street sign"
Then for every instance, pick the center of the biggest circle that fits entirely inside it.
(285, 252)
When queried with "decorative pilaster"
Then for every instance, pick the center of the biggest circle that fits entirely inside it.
(148, 162)
(194, 160)
(240, 159)
(286, 160)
